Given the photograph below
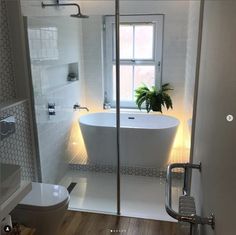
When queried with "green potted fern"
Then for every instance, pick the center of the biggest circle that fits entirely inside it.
(154, 98)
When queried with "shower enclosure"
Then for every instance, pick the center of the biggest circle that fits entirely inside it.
(92, 138)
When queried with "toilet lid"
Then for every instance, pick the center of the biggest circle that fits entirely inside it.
(45, 196)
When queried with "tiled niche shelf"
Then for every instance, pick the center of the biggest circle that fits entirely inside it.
(56, 77)
(11, 103)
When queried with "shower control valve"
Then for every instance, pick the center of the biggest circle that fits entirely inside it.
(51, 109)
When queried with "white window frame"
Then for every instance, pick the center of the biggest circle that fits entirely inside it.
(109, 22)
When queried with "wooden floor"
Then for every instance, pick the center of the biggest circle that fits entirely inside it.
(82, 223)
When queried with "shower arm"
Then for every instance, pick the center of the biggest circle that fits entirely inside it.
(57, 4)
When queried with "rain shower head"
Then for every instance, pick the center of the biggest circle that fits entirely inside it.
(78, 15)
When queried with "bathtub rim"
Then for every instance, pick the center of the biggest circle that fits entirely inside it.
(129, 127)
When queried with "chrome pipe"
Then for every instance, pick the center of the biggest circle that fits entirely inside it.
(58, 4)
(117, 45)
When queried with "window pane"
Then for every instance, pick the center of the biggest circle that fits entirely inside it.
(144, 74)
(143, 42)
(126, 82)
(126, 42)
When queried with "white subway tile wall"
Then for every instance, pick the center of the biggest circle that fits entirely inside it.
(43, 43)
(54, 50)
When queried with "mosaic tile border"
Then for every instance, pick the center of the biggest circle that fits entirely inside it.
(125, 170)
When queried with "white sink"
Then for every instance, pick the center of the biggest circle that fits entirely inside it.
(10, 180)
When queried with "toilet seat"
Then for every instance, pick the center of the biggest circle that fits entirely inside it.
(45, 197)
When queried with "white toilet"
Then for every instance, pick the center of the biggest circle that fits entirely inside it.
(43, 208)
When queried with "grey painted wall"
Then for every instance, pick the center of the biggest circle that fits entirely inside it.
(215, 137)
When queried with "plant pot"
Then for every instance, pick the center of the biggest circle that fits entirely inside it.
(156, 110)
(156, 104)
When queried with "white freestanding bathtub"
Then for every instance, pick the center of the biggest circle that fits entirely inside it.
(145, 139)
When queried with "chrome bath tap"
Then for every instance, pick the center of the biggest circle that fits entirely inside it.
(77, 106)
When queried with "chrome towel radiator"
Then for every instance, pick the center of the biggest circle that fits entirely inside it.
(187, 210)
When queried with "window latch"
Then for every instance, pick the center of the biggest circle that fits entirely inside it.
(159, 66)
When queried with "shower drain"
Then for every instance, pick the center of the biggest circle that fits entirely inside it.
(71, 187)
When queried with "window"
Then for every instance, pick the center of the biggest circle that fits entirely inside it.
(140, 55)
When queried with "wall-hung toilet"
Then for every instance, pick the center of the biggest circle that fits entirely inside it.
(43, 208)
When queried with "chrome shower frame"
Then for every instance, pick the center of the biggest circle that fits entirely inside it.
(117, 46)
